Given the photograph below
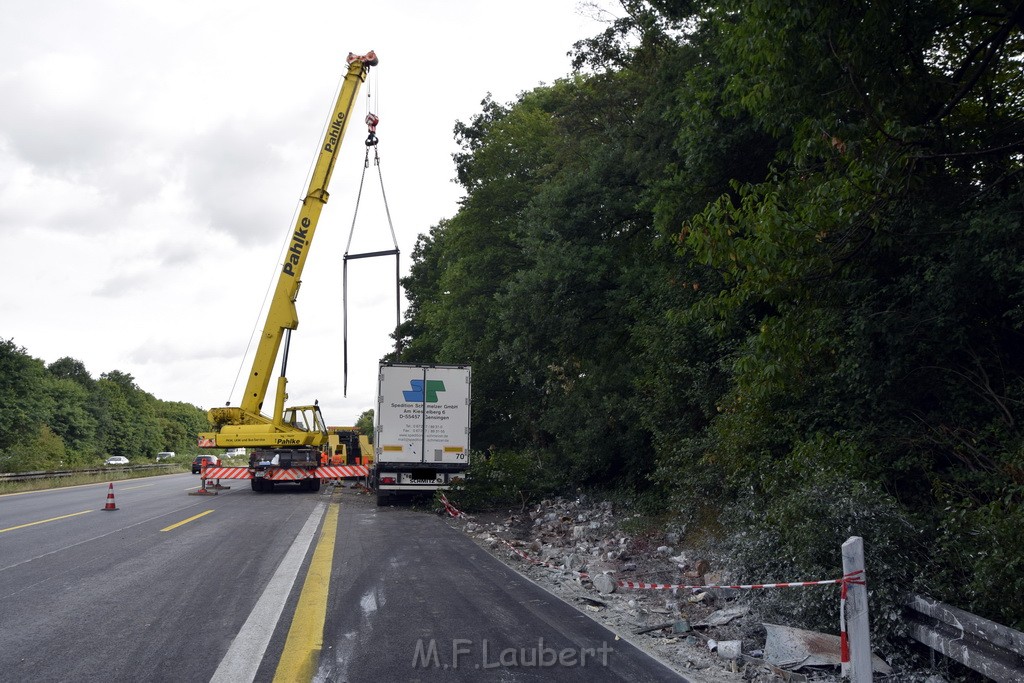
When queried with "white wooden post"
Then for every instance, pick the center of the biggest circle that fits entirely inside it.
(857, 627)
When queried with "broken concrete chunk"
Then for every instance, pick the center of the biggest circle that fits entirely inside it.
(549, 554)
(723, 616)
(604, 583)
(574, 562)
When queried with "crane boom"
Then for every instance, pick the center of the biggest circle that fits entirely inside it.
(245, 425)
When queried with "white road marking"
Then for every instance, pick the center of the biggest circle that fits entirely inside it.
(244, 656)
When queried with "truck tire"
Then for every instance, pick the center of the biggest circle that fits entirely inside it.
(255, 483)
(314, 484)
(382, 498)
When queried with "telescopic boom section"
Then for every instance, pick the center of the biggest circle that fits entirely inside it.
(282, 316)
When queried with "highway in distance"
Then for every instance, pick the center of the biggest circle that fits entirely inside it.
(288, 586)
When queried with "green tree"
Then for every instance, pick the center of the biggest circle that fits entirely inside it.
(365, 423)
(179, 424)
(22, 406)
(70, 418)
(117, 432)
(70, 368)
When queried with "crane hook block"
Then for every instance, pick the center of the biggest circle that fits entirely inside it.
(369, 59)
(371, 128)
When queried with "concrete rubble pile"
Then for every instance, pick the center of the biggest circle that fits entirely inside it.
(711, 634)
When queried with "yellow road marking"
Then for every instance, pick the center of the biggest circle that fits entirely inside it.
(306, 634)
(44, 521)
(186, 521)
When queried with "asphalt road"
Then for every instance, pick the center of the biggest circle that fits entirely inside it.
(233, 587)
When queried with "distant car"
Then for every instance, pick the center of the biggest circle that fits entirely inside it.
(234, 453)
(208, 460)
(116, 460)
(165, 455)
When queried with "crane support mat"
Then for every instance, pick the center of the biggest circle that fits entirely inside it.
(289, 474)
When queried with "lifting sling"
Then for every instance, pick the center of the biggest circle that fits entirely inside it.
(371, 142)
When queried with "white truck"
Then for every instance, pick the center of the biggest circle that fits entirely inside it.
(421, 428)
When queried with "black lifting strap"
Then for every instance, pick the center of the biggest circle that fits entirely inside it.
(371, 142)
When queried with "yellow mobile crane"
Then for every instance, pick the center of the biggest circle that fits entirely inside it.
(291, 438)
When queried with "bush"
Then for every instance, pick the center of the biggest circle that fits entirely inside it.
(44, 451)
(979, 560)
(505, 478)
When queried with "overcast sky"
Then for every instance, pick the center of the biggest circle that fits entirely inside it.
(153, 155)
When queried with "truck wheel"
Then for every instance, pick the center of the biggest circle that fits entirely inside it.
(314, 485)
(382, 499)
(255, 483)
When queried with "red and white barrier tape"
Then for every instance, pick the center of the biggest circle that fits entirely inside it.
(853, 578)
(449, 508)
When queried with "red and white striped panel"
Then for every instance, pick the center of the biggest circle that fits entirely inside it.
(287, 474)
(342, 471)
(226, 473)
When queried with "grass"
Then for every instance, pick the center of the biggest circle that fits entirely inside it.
(91, 478)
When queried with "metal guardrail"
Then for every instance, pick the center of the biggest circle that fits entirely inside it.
(991, 649)
(59, 474)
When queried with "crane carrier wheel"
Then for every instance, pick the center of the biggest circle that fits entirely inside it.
(262, 485)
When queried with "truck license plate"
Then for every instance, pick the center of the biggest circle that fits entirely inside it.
(425, 478)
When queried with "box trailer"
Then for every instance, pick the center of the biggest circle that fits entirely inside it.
(421, 428)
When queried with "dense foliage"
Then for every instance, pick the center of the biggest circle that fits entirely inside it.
(762, 260)
(57, 416)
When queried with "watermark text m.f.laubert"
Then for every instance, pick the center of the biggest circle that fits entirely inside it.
(465, 653)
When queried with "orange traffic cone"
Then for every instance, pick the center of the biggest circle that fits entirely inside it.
(110, 498)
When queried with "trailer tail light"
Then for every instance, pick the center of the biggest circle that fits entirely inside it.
(388, 480)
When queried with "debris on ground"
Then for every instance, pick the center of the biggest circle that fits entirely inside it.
(577, 550)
